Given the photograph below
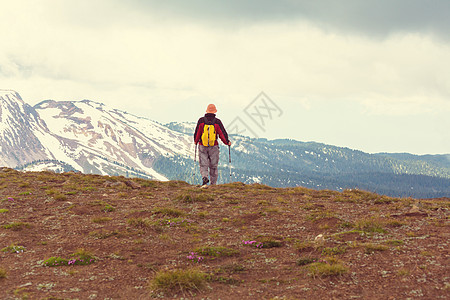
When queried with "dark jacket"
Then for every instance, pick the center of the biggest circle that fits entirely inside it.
(218, 126)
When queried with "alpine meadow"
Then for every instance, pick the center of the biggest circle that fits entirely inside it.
(234, 150)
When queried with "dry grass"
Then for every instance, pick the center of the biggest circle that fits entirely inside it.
(394, 242)
(193, 196)
(216, 251)
(175, 281)
(370, 225)
(17, 226)
(329, 267)
(103, 234)
(101, 220)
(104, 206)
(403, 272)
(169, 211)
(269, 242)
(3, 273)
(140, 222)
(371, 247)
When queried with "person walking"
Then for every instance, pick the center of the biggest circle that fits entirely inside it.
(208, 129)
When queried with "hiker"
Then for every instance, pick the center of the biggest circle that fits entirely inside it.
(208, 129)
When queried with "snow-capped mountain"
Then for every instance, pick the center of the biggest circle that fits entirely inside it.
(20, 129)
(183, 127)
(85, 135)
(101, 140)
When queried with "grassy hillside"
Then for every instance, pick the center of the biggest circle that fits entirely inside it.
(70, 235)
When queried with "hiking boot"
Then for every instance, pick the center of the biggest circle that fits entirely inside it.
(205, 180)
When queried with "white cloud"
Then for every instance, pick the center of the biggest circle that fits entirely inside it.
(406, 106)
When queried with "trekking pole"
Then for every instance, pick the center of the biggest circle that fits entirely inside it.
(195, 162)
(229, 159)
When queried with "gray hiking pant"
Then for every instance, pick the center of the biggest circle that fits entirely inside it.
(208, 157)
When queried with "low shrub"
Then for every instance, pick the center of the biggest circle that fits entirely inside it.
(269, 242)
(384, 200)
(139, 222)
(319, 215)
(13, 249)
(303, 261)
(60, 197)
(16, 226)
(230, 269)
(3, 273)
(191, 197)
(370, 225)
(203, 214)
(360, 195)
(306, 246)
(55, 261)
(334, 250)
(216, 251)
(80, 257)
(84, 257)
(169, 211)
(50, 191)
(71, 193)
(101, 219)
(371, 248)
(330, 267)
(174, 222)
(106, 207)
(24, 185)
(103, 234)
(174, 281)
(394, 242)
(403, 272)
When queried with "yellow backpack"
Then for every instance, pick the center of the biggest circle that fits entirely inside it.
(209, 133)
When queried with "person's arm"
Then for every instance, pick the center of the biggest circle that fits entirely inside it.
(198, 131)
(222, 132)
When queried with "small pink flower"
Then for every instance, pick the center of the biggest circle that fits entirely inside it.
(10, 199)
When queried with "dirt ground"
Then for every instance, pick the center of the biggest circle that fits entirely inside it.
(243, 241)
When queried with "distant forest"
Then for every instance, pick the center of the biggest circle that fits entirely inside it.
(286, 163)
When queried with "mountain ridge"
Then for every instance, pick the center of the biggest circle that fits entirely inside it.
(19, 126)
(90, 137)
(95, 139)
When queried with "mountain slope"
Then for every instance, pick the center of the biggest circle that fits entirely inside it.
(322, 166)
(249, 241)
(285, 163)
(442, 160)
(85, 136)
(20, 128)
(101, 140)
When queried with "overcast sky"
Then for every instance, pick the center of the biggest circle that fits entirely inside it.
(368, 75)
